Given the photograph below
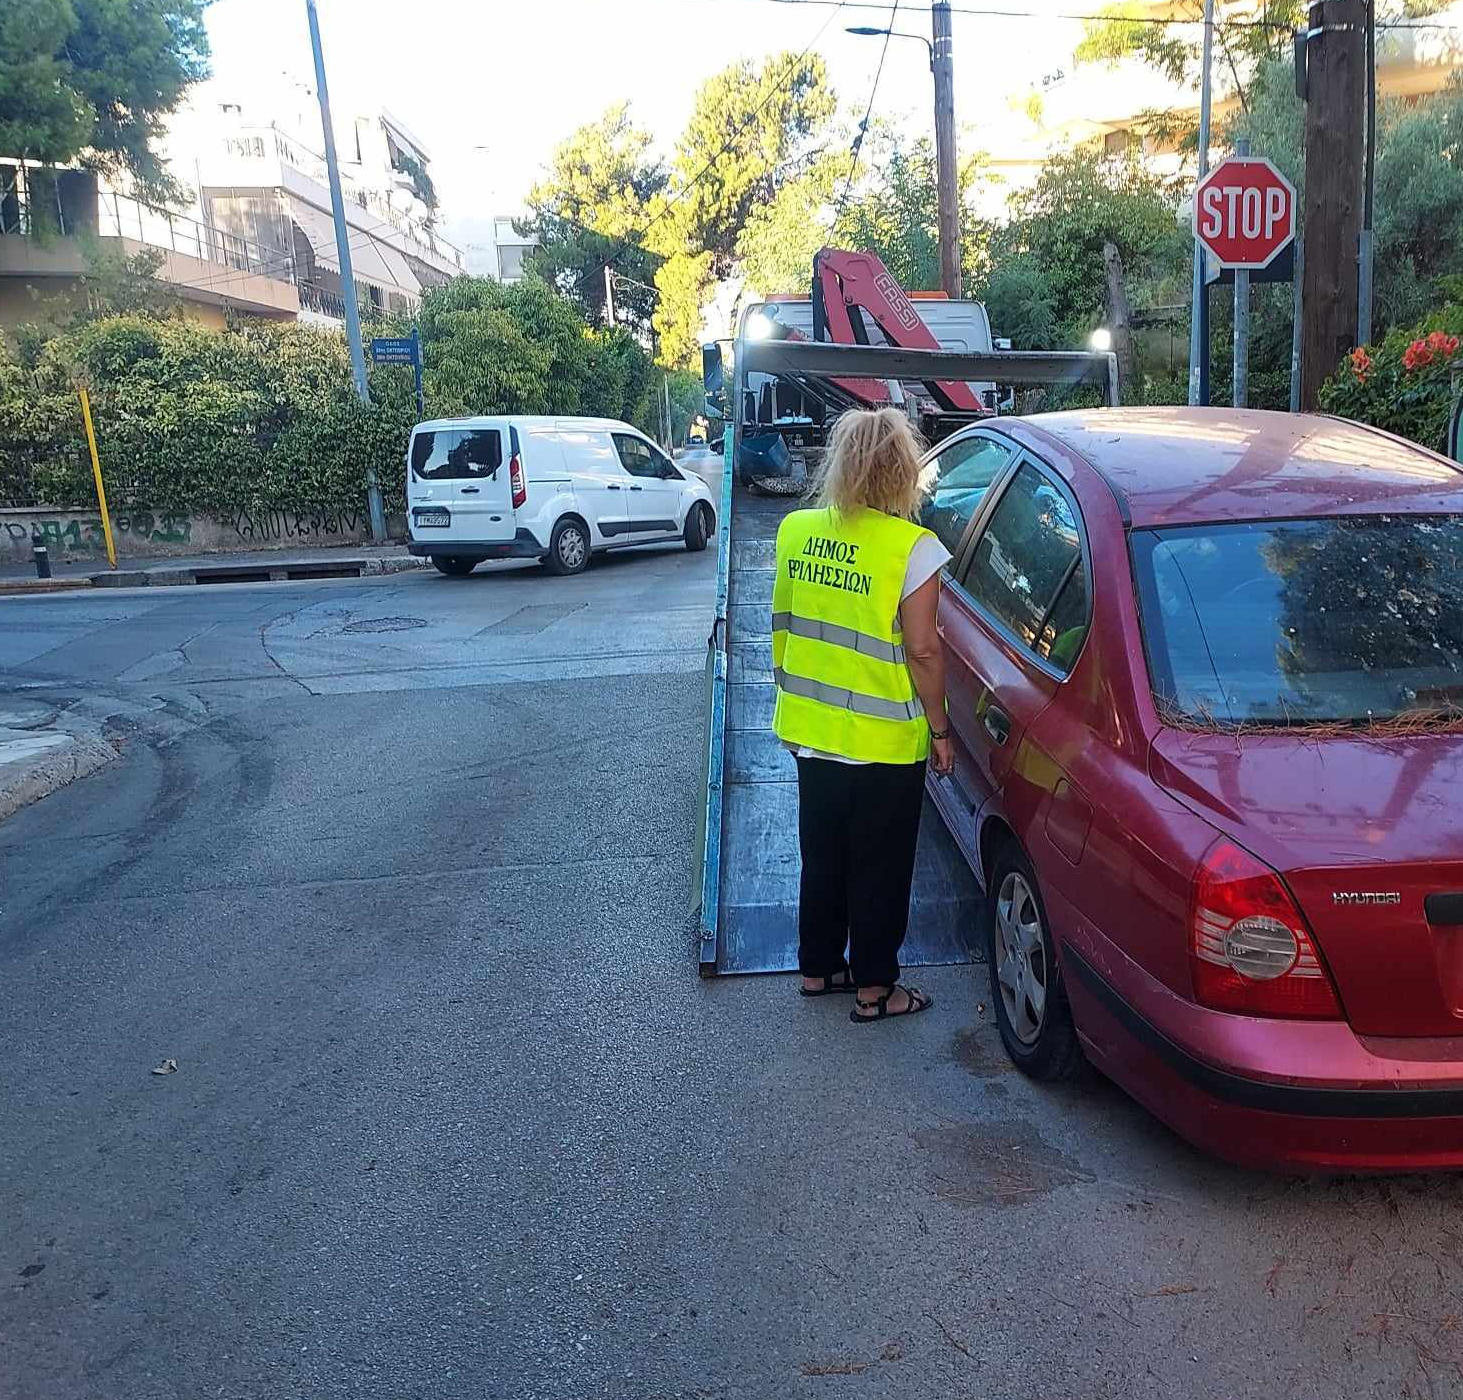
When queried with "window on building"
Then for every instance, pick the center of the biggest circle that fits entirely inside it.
(1115, 143)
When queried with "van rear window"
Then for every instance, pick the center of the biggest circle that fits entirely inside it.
(456, 454)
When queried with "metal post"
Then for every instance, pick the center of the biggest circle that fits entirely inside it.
(1455, 423)
(347, 277)
(1199, 319)
(1241, 315)
(416, 364)
(1296, 325)
(947, 181)
(609, 296)
(96, 471)
(39, 553)
(1365, 251)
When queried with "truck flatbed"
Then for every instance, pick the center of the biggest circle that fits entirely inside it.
(750, 835)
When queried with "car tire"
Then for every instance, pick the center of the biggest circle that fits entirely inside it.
(1041, 1040)
(454, 565)
(568, 547)
(698, 527)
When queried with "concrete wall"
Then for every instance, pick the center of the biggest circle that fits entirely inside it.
(77, 535)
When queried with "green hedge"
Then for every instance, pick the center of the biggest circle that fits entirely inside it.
(264, 415)
(1403, 384)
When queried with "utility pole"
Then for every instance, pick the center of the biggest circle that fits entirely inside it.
(609, 296)
(1335, 113)
(942, 61)
(348, 282)
(1199, 313)
(1365, 248)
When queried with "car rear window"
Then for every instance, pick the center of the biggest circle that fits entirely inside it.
(456, 454)
(1348, 619)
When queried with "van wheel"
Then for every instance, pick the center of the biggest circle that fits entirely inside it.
(454, 565)
(1026, 984)
(568, 548)
(698, 527)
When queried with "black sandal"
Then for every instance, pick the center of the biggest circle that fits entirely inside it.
(918, 1001)
(830, 986)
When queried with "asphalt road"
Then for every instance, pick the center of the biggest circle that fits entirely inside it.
(397, 872)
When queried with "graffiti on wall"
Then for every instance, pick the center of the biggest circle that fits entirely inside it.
(82, 535)
(270, 526)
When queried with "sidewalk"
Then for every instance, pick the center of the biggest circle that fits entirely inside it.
(346, 561)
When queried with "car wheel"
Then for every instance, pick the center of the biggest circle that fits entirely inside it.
(698, 527)
(454, 565)
(568, 547)
(1026, 983)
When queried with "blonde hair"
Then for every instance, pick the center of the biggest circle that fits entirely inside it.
(872, 462)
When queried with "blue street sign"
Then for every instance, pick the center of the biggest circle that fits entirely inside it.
(402, 350)
(395, 351)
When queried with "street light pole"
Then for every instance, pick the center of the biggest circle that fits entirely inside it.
(1199, 319)
(942, 66)
(942, 61)
(348, 282)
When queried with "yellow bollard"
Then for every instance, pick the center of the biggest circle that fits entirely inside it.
(96, 471)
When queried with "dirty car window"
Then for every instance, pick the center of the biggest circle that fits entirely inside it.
(1346, 619)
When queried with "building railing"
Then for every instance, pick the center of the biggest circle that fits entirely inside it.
(269, 142)
(120, 216)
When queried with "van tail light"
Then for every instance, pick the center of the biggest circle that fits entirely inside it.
(515, 477)
(1248, 944)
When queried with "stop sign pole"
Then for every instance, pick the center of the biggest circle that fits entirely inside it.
(1244, 215)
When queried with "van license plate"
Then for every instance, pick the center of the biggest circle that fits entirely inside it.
(433, 517)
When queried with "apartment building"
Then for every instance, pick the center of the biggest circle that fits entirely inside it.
(1077, 103)
(257, 235)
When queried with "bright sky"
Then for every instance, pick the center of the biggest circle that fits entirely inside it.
(491, 86)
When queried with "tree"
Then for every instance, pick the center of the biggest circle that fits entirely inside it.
(896, 213)
(590, 207)
(750, 133)
(91, 80)
(1049, 257)
(684, 282)
(776, 245)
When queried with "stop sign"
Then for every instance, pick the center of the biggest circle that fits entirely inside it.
(1244, 212)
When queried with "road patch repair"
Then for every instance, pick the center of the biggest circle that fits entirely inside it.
(42, 749)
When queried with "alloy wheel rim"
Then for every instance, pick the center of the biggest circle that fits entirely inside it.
(571, 548)
(1021, 963)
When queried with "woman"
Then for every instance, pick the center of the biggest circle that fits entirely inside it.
(861, 703)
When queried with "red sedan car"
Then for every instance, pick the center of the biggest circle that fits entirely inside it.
(1205, 675)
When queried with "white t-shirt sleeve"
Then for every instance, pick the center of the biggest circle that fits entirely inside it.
(926, 559)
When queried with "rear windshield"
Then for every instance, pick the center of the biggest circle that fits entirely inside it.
(453, 454)
(1347, 620)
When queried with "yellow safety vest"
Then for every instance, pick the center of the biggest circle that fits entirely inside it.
(837, 645)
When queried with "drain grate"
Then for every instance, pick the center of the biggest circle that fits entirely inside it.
(385, 624)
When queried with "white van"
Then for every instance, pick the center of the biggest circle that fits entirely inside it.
(555, 489)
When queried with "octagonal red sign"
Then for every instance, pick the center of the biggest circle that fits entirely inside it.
(1244, 212)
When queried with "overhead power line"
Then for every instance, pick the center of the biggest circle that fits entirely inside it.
(1093, 17)
(863, 126)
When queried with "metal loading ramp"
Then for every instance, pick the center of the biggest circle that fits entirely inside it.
(748, 843)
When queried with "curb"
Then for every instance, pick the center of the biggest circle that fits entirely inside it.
(42, 585)
(30, 778)
(280, 571)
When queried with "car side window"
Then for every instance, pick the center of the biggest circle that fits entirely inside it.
(456, 454)
(963, 473)
(637, 456)
(1027, 561)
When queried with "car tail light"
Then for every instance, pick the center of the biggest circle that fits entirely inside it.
(1250, 949)
(515, 478)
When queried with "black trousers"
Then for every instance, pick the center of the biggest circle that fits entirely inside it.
(858, 825)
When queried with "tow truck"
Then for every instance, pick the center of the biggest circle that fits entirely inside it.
(746, 882)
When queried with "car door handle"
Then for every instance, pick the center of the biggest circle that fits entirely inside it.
(612, 488)
(997, 724)
(470, 490)
(637, 488)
